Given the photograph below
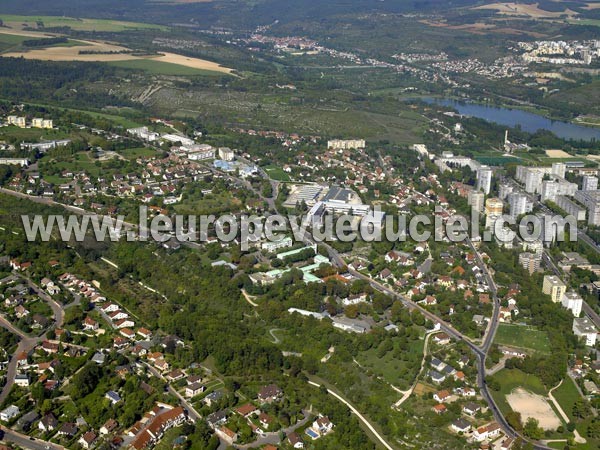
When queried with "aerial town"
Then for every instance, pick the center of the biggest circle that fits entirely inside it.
(277, 225)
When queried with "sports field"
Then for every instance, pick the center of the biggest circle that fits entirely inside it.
(521, 336)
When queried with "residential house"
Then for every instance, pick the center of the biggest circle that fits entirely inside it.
(48, 423)
(471, 408)
(113, 397)
(68, 429)
(269, 394)
(487, 432)
(90, 324)
(460, 425)
(441, 396)
(110, 426)
(295, 440)
(9, 413)
(226, 434)
(246, 410)
(439, 409)
(88, 439)
(191, 390)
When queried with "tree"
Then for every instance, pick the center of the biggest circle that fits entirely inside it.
(514, 420)
(532, 429)
(581, 409)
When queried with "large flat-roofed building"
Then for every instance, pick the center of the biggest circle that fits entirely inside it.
(16, 121)
(573, 302)
(476, 200)
(174, 138)
(308, 193)
(551, 189)
(591, 200)
(226, 154)
(42, 123)
(554, 287)
(484, 179)
(590, 183)
(45, 146)
(493, 210)
(15, 161)
(144, 133)
(530, 261)
(346, 144)
(570, 207)
(584, 328)
(519, 204)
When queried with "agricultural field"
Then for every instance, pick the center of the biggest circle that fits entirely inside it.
(75, 23)
(157, 67)
(521, 336)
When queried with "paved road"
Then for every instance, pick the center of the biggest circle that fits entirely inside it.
(27, 343)
(25, 442)
(273, 437)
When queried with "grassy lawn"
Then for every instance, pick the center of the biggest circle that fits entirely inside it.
(161, 68)
(80, 161)
(512, 379)
(277, 173)
(133, 153)
(30, 134)
(78, 24)
(566, 395)
(522, 337)
(393, 370)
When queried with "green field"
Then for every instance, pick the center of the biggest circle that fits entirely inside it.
(277, 173)
(78, 24)
(161, 68)
(9, 41)
(566, 395)
(522, 337)
(497, 160)
(30, 134)
(133, 153)
(392, 369)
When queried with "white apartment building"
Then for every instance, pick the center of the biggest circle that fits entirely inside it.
(144, 133)
(519, 204)
(226, 154)
(570, 207)
(484, 179)
(42, 123)
(476, 200)
(591, 200)
(16, 121)
(504, 190)
(573, 302)
(590, 183)
(559, 169)
(554, 287)
(584, 328)
(552, 188)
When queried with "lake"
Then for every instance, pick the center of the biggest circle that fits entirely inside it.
(527, 121)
